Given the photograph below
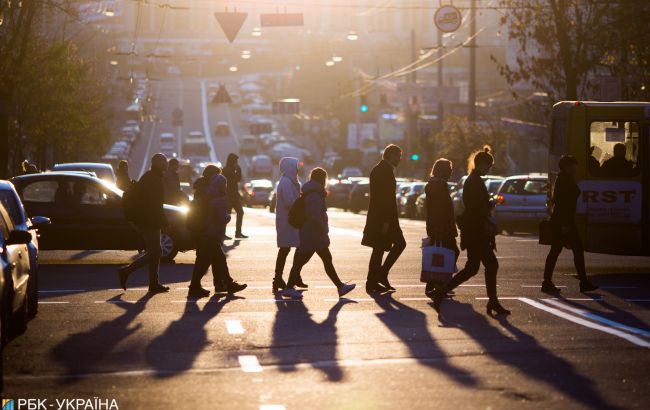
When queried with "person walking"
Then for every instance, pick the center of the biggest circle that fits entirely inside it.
(149, 220)
(208, 228)
(382, 232)
(232, 172)
(441, 223)
(123, 180)
(563, 226)
(477, 235)
(173, 193)
(288, 237)
(314, 236)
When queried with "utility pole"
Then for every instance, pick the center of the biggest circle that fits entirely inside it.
(440, 82)
(471, 112)
(411, 132)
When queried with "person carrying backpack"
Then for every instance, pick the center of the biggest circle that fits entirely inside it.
(143, 206)
(207, 224)
(314, 235)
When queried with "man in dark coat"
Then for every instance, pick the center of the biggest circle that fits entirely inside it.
(149, 221)
(382, 232)
(232, 172)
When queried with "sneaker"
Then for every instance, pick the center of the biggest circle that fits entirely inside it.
(235, 287)
(198, 292)
(549, 287)
(123, 274)
(586, 286)
(158, 288)
(345, 289)
(291, 293)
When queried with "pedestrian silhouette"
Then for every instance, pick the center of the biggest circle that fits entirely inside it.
(618, 166)
(594, 164)
(563, 226)
(149, 220)
(314, 236)
(382, 232)
(123, 180)
(287, 191)
(232, 172)
(172, 184)
(478, 233)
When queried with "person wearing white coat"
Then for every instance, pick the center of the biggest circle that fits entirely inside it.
(288, 237)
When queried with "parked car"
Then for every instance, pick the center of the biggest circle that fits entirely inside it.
(359, 197)
(421, 207)
(406, 205)
(257, 192)
(286, 149)
(273, 198)
(86, 214)
(261, 165)
(521, 202)
(351, 172)
(248, 144)
(339, 194)
(103, 171)
(15, 287)
(222, 129)
(457, 195)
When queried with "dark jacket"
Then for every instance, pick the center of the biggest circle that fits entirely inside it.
(382, 210)
(314, 234)
(172, 186)
(476, 216)
(151, 198)
(123, 181)
(441, 222)
(617, 167)
(565, 198)
(232, 172)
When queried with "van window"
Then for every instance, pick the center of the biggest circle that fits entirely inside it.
(613, 149)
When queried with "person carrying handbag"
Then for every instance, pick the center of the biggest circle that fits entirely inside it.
(441, 225)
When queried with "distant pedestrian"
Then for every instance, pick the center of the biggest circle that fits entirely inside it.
(288, 237)
(149, 220)
(478, 233)
(32, 169)
(172, 184)
(123, 180)
(210, 202)
(314, 236)
(618, 166)
(232, 172)
(382, 232)
(441, 223)
(563, 226)
(24, 167)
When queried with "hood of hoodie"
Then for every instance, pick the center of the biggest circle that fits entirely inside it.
(217, 185)
(232, 158)
(313, 186)
(289, 168)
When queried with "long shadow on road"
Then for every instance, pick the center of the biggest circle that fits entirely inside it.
(524, 353)
(85, 352)
(297, 338)
(411, 326)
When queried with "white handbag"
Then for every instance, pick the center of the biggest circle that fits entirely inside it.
(438, 262)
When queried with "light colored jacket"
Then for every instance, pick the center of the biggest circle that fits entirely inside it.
(314, 234)
(286, 194)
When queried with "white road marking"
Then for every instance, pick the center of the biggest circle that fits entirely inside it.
(415, 299)
(273, 300)
(234, 327)
(206, 124)
(249, 364)
(591, 315)
(272, 407)
(147, 154)
(352, 299)
(578, 320)
(51, 302)
(115, 302)
(233, 131)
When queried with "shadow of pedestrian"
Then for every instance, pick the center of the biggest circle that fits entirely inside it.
(175, 350)
(82, 353)
(411, 326)
(228, 248)
(297, 338)
(524, 353)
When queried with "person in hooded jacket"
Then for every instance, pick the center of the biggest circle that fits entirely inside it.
(123, 180)
(314, 236)
(288, 237)
(441, 223)
(232, 172)
(210, 196)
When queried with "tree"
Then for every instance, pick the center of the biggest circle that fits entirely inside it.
(565, 44)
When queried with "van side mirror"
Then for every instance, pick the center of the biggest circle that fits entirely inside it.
(39, 222)
(19, 238)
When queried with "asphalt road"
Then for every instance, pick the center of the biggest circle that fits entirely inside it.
(255, 350)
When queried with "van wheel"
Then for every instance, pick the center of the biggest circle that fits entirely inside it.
(168, 247)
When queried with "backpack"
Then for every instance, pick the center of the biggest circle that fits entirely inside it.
(297, 215)
(197, 215)
(130, 203)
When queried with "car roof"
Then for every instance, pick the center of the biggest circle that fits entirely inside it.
(83, 164)
(48, 175)
(529, 176)
(6, 185)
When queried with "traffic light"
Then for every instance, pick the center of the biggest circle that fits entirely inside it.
(363, 105)
(415, 157)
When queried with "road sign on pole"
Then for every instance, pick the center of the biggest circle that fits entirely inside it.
(222, 96)
(231, 23)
